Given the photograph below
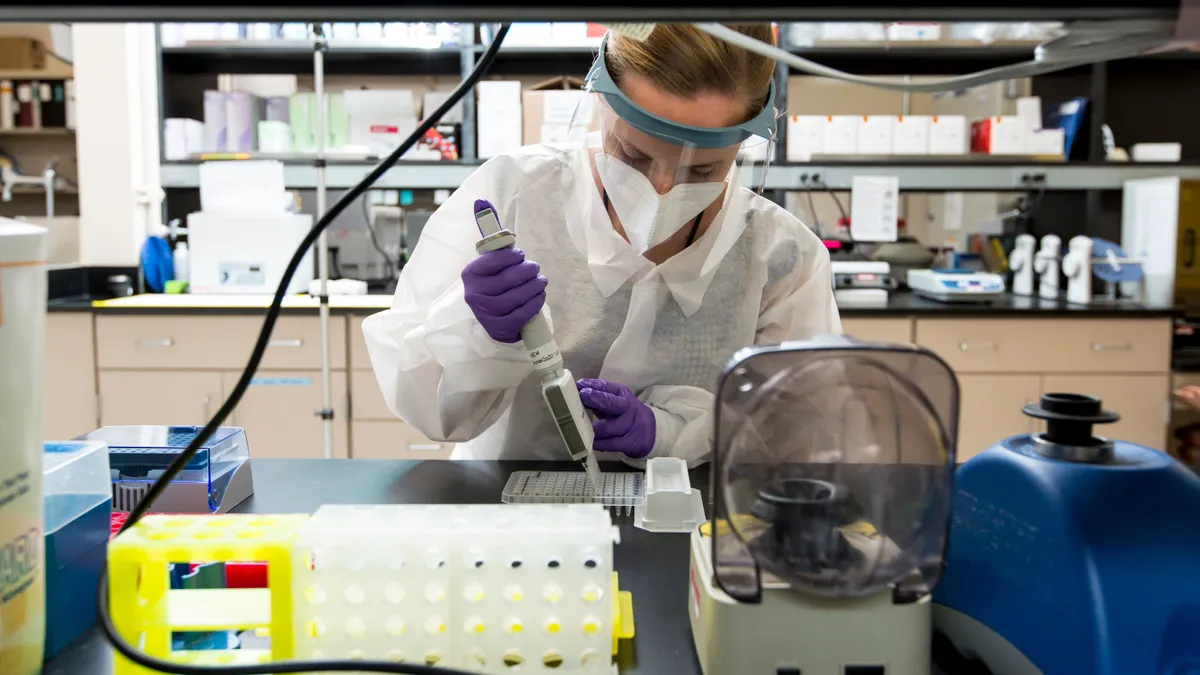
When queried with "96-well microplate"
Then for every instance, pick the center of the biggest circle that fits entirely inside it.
(619, 491)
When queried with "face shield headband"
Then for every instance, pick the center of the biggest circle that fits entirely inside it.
(600, 81)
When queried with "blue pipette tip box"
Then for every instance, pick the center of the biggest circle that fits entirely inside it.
(216, 479)
(76, 501)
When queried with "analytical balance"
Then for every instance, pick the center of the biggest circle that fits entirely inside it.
(1070, 553)
(951, 285)
(832, 469)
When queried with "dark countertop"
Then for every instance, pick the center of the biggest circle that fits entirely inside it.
(909, 304)
(899, 305)
(652, 566)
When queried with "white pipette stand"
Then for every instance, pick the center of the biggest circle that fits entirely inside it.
(1077, 266)
(1046, 264)
(1021, 263)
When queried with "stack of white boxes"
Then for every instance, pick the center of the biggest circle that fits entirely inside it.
(380, 119)
(875, 135)
(499, 120)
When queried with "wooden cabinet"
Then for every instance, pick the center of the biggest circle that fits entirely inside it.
(170, 369)
(879, 330)
(1143, 401)
(359, 358)
(990, 410)
(214, 342)
(377, 439)
(70, 403)
(158, 397)
(279, 409)
(1002, 364)
(1049, 345)
(376, 433)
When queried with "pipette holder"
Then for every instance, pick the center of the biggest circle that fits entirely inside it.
(1077, 267)
(1046, 264)
(1021, 262)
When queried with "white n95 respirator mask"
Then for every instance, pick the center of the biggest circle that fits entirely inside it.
(649, 218)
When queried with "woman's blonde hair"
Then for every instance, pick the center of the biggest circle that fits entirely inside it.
(685, 61)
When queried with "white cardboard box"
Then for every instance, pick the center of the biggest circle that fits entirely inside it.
(948, 135)
(499, 129)
(181, 138)
(1156, 152)
(875, 134)
(1007, 135)
(499, 92)
(841, 134)
(910, 135)
(805, 137)
(379, 118)
(1048, 142)
(1030, 110)
(499, 122)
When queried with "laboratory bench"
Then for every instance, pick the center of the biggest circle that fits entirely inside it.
(172, 360)
(653, 566)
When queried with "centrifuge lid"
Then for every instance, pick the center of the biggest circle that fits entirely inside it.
(833, 469)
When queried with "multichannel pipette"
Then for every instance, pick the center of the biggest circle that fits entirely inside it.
(558, 385)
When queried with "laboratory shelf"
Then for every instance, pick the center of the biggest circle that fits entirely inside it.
(933, 175)
(289, 57)
(339, 176)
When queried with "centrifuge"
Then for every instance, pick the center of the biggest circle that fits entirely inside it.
(833, 468)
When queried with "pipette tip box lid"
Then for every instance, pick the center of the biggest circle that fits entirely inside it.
(216, 479)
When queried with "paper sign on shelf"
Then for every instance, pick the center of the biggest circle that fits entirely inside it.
(952, 212)
(874, 208)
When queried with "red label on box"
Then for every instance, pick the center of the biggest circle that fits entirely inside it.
(382, 129)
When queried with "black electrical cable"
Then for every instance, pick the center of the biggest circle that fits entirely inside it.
(812, 210)
(280, 668)
(837, 201)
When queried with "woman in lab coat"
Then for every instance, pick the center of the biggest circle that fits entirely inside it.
(652, 261)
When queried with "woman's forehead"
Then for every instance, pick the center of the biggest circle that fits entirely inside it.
(659, 148)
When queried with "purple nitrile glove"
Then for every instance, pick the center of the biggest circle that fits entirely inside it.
(504, 291)
(626, 425)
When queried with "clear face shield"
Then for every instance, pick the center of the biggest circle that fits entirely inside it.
(661, 181)
(833, 470)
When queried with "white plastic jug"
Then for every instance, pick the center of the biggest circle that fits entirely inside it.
(22, 339)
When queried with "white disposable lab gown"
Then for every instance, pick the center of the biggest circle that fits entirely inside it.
(757, 275)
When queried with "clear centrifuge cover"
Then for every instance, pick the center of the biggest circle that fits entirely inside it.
(833, 469)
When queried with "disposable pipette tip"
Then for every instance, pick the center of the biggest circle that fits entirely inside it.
(592, 469)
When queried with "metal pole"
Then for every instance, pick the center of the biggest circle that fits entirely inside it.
(326, 412)
(466, 51)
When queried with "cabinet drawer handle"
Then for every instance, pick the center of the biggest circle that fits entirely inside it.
(968, 346)
(154, 343)
(204, 408)
(1123, 347)
(286, 343)
(424, 447)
